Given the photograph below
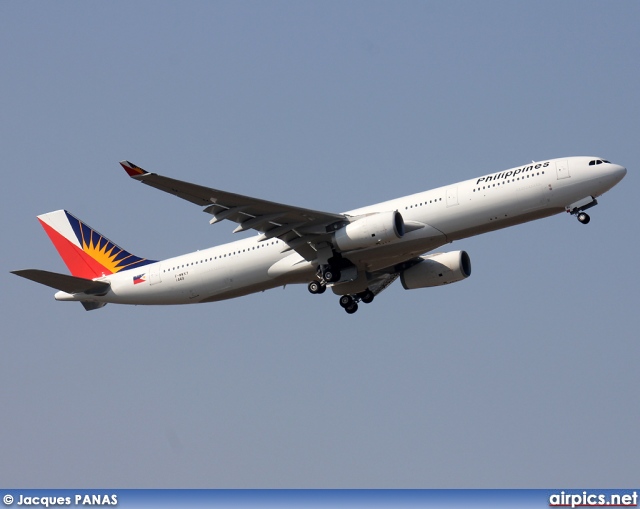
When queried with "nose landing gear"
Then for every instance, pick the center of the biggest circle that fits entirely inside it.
(584, 218)
(578, 209)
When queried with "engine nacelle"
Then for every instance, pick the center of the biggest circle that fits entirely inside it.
(436, 270)
(370, 231)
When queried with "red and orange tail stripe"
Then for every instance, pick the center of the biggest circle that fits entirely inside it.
(132, 170)
(86, 253)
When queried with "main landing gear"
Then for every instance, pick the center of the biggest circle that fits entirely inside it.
(330, 273)
(327, 274)
(317, 287)
(348, 302)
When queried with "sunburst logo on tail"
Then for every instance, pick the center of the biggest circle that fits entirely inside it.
(107, 254)
(111, 256)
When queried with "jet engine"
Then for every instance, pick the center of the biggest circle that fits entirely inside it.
(436, 270)
(370, 231)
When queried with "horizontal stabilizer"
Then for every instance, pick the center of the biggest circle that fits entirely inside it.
(69, 284)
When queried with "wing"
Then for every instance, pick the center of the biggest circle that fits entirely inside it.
(300, 228)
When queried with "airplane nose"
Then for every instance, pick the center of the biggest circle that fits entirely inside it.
(619, 171)
(612, 174)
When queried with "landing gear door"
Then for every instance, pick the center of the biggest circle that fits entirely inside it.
(562, 169)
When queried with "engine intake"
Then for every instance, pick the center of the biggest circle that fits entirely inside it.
(370, 231)
(436, 270)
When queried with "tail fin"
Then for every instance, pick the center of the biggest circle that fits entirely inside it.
(86, 253)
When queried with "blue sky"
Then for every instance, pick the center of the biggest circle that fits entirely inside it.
(524, 375)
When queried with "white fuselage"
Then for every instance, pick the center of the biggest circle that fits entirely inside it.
(434, 218)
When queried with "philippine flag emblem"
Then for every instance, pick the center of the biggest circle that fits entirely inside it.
(139, 279)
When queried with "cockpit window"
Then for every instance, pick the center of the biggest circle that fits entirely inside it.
(598, 161)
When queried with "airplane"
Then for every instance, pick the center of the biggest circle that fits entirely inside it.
(357, 254)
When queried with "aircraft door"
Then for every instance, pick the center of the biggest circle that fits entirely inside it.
(452, 196)
(562, 169)
(154, 274)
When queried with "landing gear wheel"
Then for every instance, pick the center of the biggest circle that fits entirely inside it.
(367, 296)
(352, 308)
(346, 301)
(584, 218)
(316, 287)
(331, 275)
